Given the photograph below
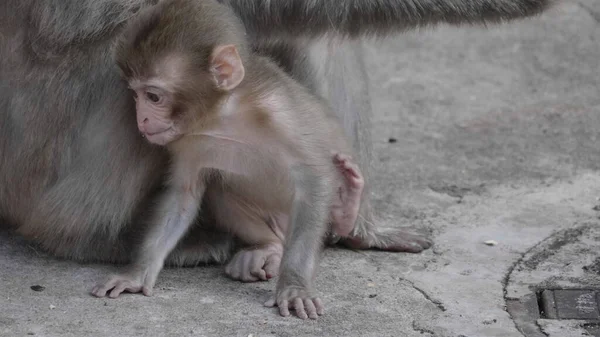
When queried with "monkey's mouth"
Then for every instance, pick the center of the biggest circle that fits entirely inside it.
(152, 134)
(162, 137)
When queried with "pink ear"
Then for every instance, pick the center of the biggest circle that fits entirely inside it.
(227, 67)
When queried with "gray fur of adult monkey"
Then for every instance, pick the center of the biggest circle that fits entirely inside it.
(76, 176)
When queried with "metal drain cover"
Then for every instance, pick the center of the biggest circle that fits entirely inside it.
(569, 304)
(554, 289)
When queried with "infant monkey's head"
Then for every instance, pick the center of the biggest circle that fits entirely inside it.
(180, 58)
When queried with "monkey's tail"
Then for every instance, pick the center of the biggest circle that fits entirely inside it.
(368, 236)
(355, 18)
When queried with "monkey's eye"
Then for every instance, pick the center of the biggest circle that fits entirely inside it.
(152, 97)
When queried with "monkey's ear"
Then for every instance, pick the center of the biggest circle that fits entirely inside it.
(226, 67)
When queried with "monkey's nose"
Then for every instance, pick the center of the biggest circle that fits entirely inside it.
(142, 124)
(142, 127)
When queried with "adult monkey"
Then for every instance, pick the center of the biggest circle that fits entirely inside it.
(77, 177)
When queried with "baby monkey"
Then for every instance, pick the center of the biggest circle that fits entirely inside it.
(268, 158)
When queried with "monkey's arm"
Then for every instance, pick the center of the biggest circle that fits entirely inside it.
(302, 246)
(353, 18)
(174, 215)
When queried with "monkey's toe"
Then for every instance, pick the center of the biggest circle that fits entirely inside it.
(298, 299)
(98, 291)
(116, 285)
(254, 265)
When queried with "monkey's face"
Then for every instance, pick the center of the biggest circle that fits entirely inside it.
(154, 110)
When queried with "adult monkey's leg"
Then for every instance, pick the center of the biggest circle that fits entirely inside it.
(341, 77)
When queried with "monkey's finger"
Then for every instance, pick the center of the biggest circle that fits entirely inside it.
(270, 303)
(319, 306)
(98, 291)
(262, 275)
(299, 307)
(245, 267)
(310, 308)
(353, 171)
(147, 291)
(342, 157)
(124, 286)
(119, 288)
(284, 310)
(247, 271)
(101, 290)
(228, 268)
(94, 290)
(233, 269)
(236, 267)
(247, 276)
(272, 267)
(257, 270)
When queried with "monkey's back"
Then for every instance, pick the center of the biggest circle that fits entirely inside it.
(300, 112)
(288, 129)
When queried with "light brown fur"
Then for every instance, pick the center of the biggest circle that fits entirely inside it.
(236, 127)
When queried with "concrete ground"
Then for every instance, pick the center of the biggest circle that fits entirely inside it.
(496, 139)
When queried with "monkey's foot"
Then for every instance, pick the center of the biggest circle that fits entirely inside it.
(345, 208)
(251, 265)
(299, 299)
(117, 284)
(390, 240)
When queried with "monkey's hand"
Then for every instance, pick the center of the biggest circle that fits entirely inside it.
(298, 298)
(251, 265)
(116, 284)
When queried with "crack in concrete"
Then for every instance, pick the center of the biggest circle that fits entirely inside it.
(437, 302)
(567, 236)
(539, 326)
(421, 329)
(458, 192)
(591, 12)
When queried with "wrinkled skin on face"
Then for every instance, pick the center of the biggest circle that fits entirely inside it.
(154, 108)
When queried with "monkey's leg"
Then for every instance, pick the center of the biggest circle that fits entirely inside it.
(341, 72)
(262, 257)
(303, 242)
